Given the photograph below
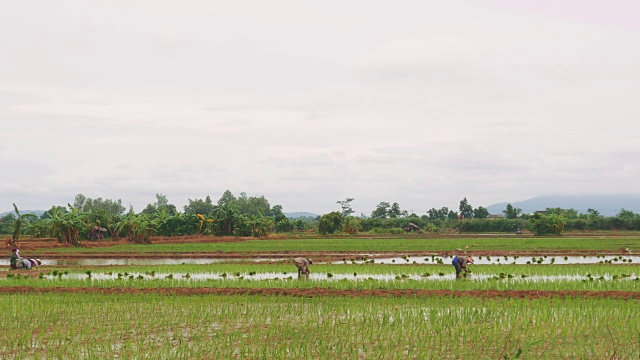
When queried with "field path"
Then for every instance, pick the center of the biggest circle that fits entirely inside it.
(312, 292)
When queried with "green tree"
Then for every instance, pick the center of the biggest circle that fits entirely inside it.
(277, 214)
(298, 225)
(547, 224)
(199, 206)
(394, 212)
(284, 225)
(227, 198)
(593, 212)
(346, 206)
(79, 201)
(466, 210)
(438, 214)
(381, 211)
(511, 213)
(161, 204)
(351, 224)
(85, 204)
(252, 205)
(480, 213)
(330, 223)
(623, 214)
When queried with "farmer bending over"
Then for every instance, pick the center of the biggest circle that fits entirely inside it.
(303, 265)
(460, 264)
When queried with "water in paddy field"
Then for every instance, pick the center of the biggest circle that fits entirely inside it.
(107, 262)
(323, 277)
(495, 260)
(479, 260)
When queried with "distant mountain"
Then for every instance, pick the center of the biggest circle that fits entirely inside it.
(36, 212)
(295, 215)
(606, 205)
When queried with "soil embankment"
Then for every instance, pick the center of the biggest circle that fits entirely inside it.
(489, 294)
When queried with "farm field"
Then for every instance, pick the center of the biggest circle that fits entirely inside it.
(125, 325)
(251, 304)
(338, 247)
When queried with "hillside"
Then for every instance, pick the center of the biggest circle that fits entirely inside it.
(607, 205)
(36, 212)
(295, 215)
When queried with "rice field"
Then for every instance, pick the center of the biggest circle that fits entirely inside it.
(540, 306)
(151, 326)
(345, 245)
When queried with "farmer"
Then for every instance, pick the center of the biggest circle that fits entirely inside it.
(35, 263)
(460, 263)
(303, 265)
(15, 255)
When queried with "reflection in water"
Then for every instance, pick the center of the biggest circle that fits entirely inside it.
(505, 260)
(479, 260)
(107, 262)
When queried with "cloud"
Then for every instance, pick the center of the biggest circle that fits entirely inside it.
(12, 98)
(416, 102)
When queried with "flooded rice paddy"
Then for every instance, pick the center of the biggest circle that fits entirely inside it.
(367, 258)
(324, 277)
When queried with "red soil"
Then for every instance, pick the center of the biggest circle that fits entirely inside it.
(516, 294)
(43, 244)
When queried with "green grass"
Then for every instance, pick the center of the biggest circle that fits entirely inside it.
(95, 326)
(374, 245)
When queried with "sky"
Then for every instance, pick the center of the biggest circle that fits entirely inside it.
(307, 103)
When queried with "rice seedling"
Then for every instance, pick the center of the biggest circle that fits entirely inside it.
(119, 326)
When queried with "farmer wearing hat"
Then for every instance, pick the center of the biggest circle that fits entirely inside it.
(460, 263)
(35, 263)
(303, 265)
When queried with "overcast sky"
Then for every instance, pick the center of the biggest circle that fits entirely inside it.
(310, 102)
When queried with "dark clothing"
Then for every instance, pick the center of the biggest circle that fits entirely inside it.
(460, 264)
(302, 264)
(13, 260)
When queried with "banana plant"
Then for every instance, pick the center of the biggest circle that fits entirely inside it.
(137, 228)
(226, 217)
(21, 221)
(351, 225)
(67, 226)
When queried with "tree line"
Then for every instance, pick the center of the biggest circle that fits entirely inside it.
(390, 218)
(92, 219)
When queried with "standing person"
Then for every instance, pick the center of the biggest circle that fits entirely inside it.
(460, 263)
(303, 265)
(15, 255)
